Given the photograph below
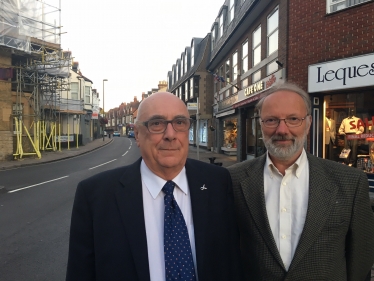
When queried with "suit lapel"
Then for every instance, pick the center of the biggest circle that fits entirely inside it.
(322, 194)
(200, 209)
(130, 204)
(253, 191)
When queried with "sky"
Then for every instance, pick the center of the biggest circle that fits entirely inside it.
(134, 43)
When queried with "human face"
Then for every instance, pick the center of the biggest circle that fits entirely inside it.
(164, 154)
(284, 143)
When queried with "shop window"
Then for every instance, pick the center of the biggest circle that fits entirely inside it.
(229, 133)
(348, 129)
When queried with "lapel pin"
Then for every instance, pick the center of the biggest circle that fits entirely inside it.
(203, 187)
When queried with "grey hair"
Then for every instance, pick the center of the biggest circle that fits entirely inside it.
(287, 86)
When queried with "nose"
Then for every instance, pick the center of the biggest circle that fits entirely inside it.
(282, 127)
(169, 133)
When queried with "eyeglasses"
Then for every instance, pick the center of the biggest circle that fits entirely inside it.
(158, 126)
(290, 122)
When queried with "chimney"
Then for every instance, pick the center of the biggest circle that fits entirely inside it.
(75, 66)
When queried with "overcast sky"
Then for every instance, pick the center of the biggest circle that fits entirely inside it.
(134, 43)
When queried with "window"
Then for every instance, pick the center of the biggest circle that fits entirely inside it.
(235, 66)
(17, 110)
(185, 62)
(178, 69)
(87, 96)
(256, 46)
(232, 10)
(271, 67)
(256, 76)
(183, 65)
(273, 22)
(186, 91)
(336, 5)
(191, 88)
(74, 90)
(192, 54)
(213, 38)
(173, 76)
(220, 25)
(227, 71)
(244, 57)
(245, 83)
(177, 92)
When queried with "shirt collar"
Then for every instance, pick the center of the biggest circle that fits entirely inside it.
(296, 167)
(155, 184)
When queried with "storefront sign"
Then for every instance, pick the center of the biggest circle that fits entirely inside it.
(192, 105)
(227, 102)
(252, 93)
(341, 74)
(359, 136)
(254, 88)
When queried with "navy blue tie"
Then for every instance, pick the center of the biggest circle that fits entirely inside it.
(177, 247)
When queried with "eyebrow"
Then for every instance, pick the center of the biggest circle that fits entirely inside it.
(163, 117)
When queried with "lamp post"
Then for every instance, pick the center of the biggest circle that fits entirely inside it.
(103, 108)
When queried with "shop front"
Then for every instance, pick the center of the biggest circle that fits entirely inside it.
(250, 139)
(343, 112)
(226, 121)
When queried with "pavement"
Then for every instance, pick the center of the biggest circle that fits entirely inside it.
(51, 156)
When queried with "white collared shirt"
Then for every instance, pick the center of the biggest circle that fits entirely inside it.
(153, 205)
(286, 199)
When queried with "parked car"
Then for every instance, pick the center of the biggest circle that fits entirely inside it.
(116, 134)
(131, 134)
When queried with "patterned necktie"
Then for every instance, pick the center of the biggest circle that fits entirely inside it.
(177, 248)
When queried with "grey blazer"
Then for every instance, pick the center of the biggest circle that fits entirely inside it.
(337, 242)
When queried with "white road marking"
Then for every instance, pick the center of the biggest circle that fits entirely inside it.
(125, 153)
(102, 164)
(15, 190)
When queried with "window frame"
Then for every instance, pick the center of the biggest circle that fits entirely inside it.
(87, 96)
(231, 10)
(227, 70)
(257, 46)
(330, 4)
(192, 54)
(244, 57)
(270, 33)
(75, 92)
(235, 65)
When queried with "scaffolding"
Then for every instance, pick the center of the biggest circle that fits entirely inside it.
(31, 29)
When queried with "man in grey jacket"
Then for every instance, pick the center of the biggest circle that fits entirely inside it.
(300, 217)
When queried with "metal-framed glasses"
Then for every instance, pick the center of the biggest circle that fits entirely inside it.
(158, 126)
(290, 122)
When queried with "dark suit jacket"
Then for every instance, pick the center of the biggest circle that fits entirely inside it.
(337, 242)
(108, 237)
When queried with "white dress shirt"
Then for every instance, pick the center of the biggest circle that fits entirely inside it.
(153, 205)
(286, 199)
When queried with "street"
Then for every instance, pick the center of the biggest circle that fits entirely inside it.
(36, 208)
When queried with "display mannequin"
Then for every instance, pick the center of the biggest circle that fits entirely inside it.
(330, 134)
(349, 127)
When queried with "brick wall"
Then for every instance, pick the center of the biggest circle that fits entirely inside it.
(315, 36)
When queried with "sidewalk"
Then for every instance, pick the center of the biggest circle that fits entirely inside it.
(51, 156)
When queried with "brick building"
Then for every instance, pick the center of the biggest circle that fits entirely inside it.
(331, 56)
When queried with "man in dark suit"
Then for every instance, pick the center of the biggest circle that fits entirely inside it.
(117, 227)
(300, 217)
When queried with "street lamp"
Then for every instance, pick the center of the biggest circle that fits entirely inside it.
(103, 108)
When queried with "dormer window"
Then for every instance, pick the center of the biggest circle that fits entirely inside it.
(231, 10)
(213, 38)
(192, 54)
(220, 26)
(185, 62)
